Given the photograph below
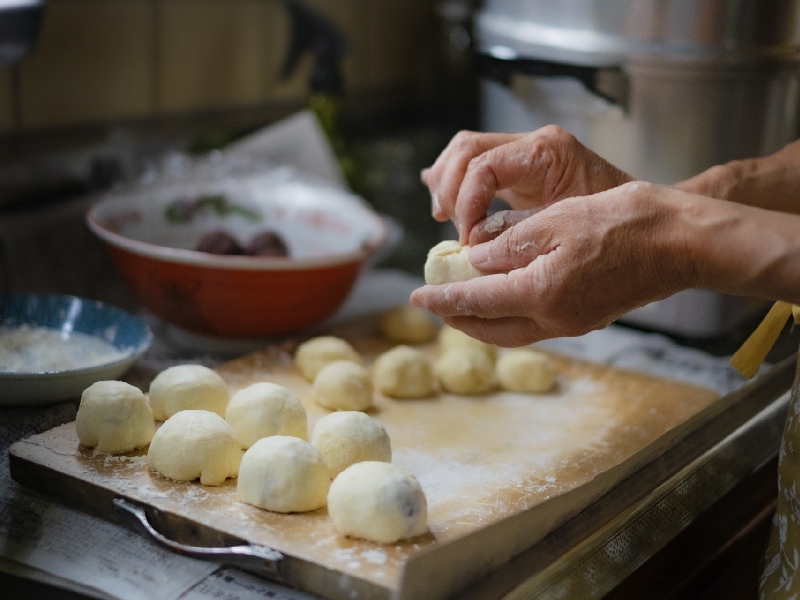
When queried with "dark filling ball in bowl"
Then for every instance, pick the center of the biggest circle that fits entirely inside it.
(267, 243)
(219, 242)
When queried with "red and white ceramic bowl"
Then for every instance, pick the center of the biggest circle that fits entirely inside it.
(151, 233)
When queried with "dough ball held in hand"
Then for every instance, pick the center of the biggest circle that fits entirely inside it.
(318, 352)
(187, 387)
(408, 325)
(283, 474)
(264, 409)
(465, 370)
(348, 437)
(114, 417)
(343, 385)
(378, 501)
(450, 337)
(404, 372)
(448, 262)
(524, 370)
(195, 443)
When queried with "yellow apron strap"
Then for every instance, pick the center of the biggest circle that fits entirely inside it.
(749, 357)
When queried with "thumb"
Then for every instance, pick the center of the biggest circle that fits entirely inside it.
(515, 248)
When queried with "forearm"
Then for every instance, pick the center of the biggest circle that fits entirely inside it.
(739, 249)
(772, 182)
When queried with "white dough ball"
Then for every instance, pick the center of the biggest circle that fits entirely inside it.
(524, 370)
(187, 387)
(264, 409)
(465, 370)
(348, 437)
(378, 501)
(283, 474)
(343, 385)
(408, 325)
(450, 337)
(318, 352)
(195, 443)
(404, 372)
(114, 417)
(448, 262)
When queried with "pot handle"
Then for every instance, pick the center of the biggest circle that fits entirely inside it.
(609, 83)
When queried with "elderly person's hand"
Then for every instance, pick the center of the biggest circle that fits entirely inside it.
(582, 262)
(528, 170)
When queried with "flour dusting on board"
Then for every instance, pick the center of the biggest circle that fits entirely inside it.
(515, 462)
(479, 459)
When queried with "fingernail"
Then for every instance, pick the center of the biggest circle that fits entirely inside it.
(437, 208)
(479, 255)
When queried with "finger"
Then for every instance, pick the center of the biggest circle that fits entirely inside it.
(488, 297)
(497, 169)
(508, 332)
(436, 209)
(445, 176)
(493, 225)
(519, 245)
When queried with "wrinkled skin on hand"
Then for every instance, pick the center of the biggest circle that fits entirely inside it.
(570, 268)
(578, 251)
(527, 170)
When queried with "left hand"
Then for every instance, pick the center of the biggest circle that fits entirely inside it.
(528, 170)
(572, 267)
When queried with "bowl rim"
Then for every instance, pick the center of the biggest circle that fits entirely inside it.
(131, 356)
(251, 263)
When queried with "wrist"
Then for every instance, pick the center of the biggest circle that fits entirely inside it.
(723, 182)
(681, 251)
(742, 250)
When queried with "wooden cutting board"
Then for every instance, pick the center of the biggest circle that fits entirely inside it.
(480, 460)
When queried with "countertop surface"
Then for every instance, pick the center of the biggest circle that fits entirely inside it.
(46, 542)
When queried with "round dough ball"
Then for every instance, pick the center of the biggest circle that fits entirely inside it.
(465, 370)
(349, 437)
(404, 372)
(448, 262)
(195, 443)
(114, 417)
(378, 501)
(187, 387)
(408, 325)
(343, 385)
(450, 337)
(284, 474)
(318, 352)
(524, 370)
(264, 409)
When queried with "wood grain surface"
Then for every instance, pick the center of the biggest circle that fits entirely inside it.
(479, 459)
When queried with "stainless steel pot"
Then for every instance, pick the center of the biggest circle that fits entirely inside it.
(673, 120)
(604, 32)
(662, 88)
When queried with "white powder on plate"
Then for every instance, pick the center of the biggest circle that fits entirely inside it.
(27, 349)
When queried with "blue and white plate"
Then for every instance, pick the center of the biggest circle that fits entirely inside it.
(35, 383)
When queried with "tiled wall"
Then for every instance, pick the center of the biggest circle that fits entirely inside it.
(100, 61)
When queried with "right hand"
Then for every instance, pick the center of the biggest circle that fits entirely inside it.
(577, 265)
(527, 170)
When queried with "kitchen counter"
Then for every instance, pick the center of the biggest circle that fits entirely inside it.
(620, 346)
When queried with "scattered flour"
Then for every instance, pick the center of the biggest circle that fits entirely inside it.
(376, 557)
(135, 462)
(494, 223)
